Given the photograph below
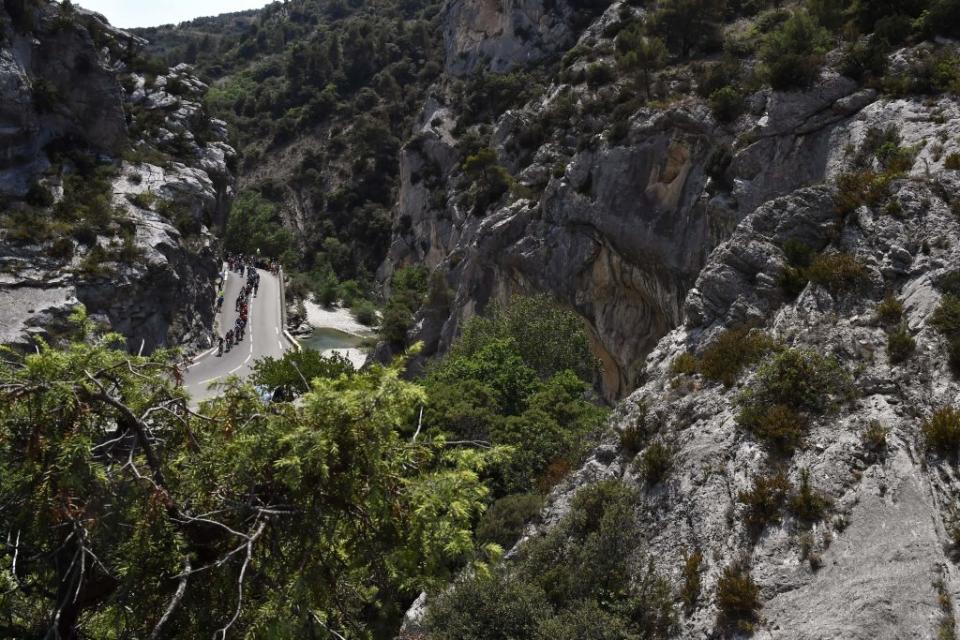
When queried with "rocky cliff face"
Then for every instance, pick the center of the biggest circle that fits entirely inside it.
(111, 176)
(617, 225)
(877, 560)
(678, 229)
(878, 565)
(503, 35)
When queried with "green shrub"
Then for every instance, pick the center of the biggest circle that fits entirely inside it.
(255, 226)
(549, 336)
(799, 255)
(946, 318)
(793, 53)
(498, 607)
(802, 379)
(727, 104)
(297, 369)
(144, 199)
(808, 505)
(952, 162)
(655, 463)
(738, 598)
(838, 272)
(860, 188)
(39, 196)
(504, 521)
(953, 354)
(765, 501)
(779, 426)
(640, 55)
(900, 345)
(547, 437)
(61, 249)
(94, 264)
(690, 591)
(581, 574)
(25, 225)
(365, 312)
(688, 24)
(874, 438)
(600, 74)
(792, 281)
(685, 364)
(950, 283)
(788, 388)
(633, 438)
(889, 311)
(941, 432)
(732, 351)
(408, 290)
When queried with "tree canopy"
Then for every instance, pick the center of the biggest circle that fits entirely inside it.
(125, 514)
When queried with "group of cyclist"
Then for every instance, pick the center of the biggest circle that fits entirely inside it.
(245, 267)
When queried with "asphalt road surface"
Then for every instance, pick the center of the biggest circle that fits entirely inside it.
(264, 337)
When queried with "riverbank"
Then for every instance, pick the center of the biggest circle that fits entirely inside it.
(338, 318)
(336, 331)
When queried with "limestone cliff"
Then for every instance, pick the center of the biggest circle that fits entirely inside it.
(618, 226)
(879, 565)
(678, 229)
(111, 175)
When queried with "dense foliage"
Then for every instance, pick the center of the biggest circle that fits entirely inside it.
(127, 514)
(321, 94)
(519, 377)
(578, 581)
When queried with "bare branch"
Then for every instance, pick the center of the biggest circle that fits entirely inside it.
(174, 601)
(222, 633)
(325, 626)
(139, 428)
(419, 425)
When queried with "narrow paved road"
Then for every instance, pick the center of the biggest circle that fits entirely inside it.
(264, 337)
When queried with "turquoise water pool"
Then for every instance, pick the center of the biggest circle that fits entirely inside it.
(326, 338)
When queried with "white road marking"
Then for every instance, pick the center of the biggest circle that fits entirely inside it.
(281, 345)
(277, 330)
(196, 359)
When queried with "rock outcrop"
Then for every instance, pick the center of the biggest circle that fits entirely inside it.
(618, 228)
(138, 254)
(504, 35)
(876, 567)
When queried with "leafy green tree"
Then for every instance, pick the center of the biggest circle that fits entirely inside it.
(553, 427)
(503, 522)
(499, 366)
(727, 104)
(125, 514)
(408, 287)
(254, 224)
(549, 337)
(296, 369)
(520, 378)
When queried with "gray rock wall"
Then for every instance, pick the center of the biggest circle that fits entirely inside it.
(60, 81)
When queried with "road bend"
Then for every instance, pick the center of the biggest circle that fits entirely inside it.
(264, 337)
